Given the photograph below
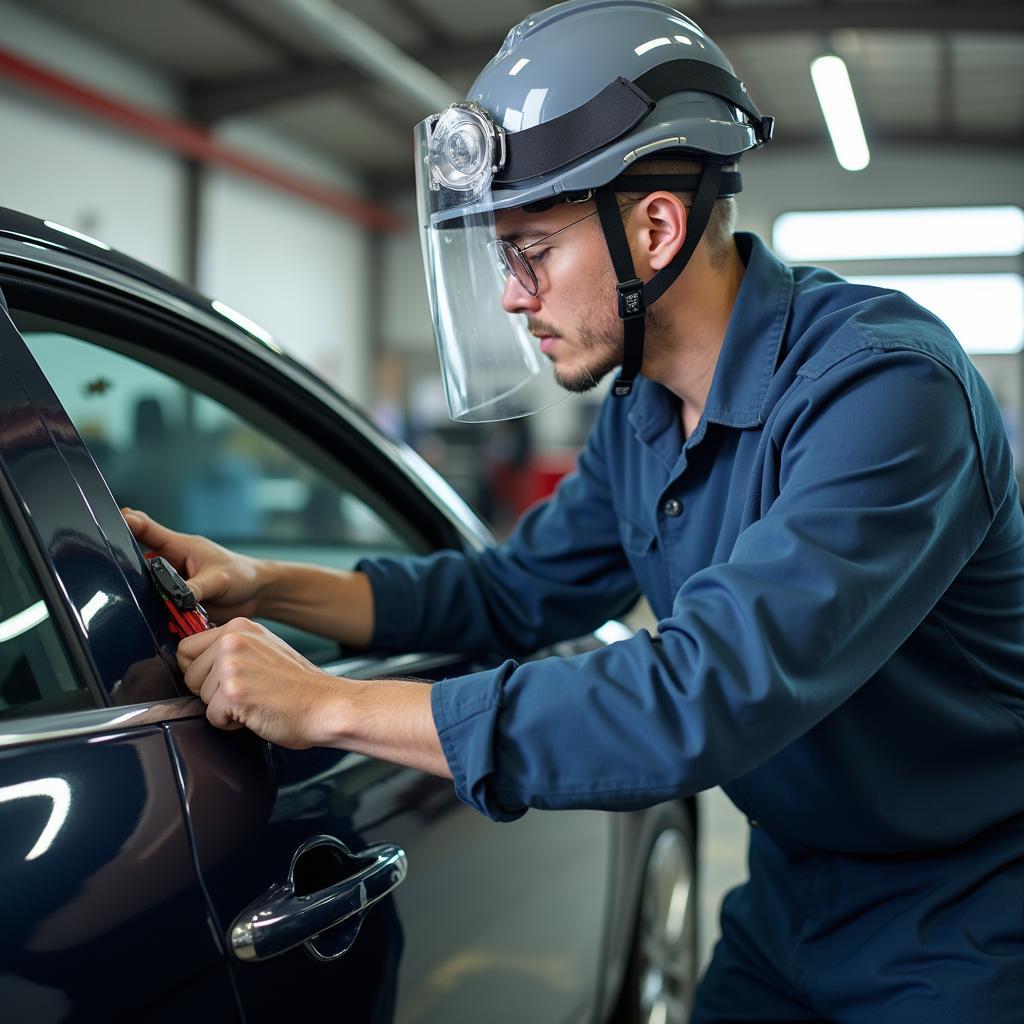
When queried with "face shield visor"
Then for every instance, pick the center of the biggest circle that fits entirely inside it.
(490, 363)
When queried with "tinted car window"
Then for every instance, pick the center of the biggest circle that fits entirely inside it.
(36, 677)
(245, 478)
(198, 466)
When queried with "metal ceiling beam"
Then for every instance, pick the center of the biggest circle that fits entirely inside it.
(942, 16)
(243, 94)
(366, 48)
(192, 142)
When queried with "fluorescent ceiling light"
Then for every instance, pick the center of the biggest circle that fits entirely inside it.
(984, 311)
(839, 106)
(899, 234)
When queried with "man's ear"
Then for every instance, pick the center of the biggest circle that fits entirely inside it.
(661, 220)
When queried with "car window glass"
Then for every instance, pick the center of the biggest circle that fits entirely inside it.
(196, 465)
(199, 467)
(36, 677)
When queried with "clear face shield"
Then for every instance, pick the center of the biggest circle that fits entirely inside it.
(491, 364)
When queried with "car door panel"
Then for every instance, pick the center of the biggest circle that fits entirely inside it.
(481, 924)
(98, 884)
(97, 879)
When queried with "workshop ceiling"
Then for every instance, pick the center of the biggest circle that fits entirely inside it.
(934, 72)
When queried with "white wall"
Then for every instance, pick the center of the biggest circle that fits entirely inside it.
(61, 167)
(295, 268)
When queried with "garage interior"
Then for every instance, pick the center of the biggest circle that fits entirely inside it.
(260, 150)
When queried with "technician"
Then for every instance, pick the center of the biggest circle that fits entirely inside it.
(807, 479)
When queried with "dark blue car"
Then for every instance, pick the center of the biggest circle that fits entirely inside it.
(154, 868)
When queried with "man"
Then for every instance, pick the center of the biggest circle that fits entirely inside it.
(807, 479)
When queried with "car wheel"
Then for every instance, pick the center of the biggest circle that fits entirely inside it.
(662, 972)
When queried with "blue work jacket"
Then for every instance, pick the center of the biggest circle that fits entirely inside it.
(836, 558)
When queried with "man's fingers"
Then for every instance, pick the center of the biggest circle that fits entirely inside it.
(147, 531)
(209, 584)
(219, 713)
(191, 647)
(197, 672)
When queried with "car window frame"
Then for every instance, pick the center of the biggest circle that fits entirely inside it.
(60, 285)
(61, 296)
(33, 548)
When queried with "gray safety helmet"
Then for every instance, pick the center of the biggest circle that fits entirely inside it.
(555, 62)
(576, 95)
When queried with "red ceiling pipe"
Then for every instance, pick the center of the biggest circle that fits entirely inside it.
(191, 141)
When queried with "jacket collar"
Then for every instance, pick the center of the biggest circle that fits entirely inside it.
(749, 355)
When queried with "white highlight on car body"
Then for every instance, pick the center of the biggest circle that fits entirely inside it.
(59, 794)
(77, 234)
(93, 606)
(247, 325)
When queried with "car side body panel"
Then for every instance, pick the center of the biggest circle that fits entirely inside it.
(103, 915)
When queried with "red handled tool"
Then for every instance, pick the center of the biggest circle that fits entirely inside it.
(188, 616)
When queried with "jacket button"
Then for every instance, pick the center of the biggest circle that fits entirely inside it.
(672, 507)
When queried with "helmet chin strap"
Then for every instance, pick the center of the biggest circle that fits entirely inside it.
(635, 297)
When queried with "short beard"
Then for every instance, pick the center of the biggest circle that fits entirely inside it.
(587, 378)
(607, 343)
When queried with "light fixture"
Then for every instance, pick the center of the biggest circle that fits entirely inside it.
(839, 107)
(924, 233)
(984, 311)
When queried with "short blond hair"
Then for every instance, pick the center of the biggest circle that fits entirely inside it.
(722, 222)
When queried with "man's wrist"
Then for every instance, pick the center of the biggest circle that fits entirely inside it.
(267, 573)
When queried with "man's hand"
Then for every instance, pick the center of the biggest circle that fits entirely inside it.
(247, 676)
(330, 602)
(226, 583)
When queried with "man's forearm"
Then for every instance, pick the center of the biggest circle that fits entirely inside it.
(329, 602)
(390, 719)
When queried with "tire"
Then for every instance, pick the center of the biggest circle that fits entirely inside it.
(662, 974)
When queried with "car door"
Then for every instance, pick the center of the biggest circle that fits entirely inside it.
(96, 870)
(204, 429)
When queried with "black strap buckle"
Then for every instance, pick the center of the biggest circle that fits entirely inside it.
(631, 299)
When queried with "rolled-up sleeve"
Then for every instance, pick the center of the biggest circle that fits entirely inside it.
(881, 501)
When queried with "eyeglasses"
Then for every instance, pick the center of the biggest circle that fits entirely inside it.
(513, 260)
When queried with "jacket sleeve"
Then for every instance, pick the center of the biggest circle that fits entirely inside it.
(561, 574)
(881, 502)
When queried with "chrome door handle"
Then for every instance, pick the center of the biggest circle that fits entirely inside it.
(286, 916)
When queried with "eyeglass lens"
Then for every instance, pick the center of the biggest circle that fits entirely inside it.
(512, 261)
